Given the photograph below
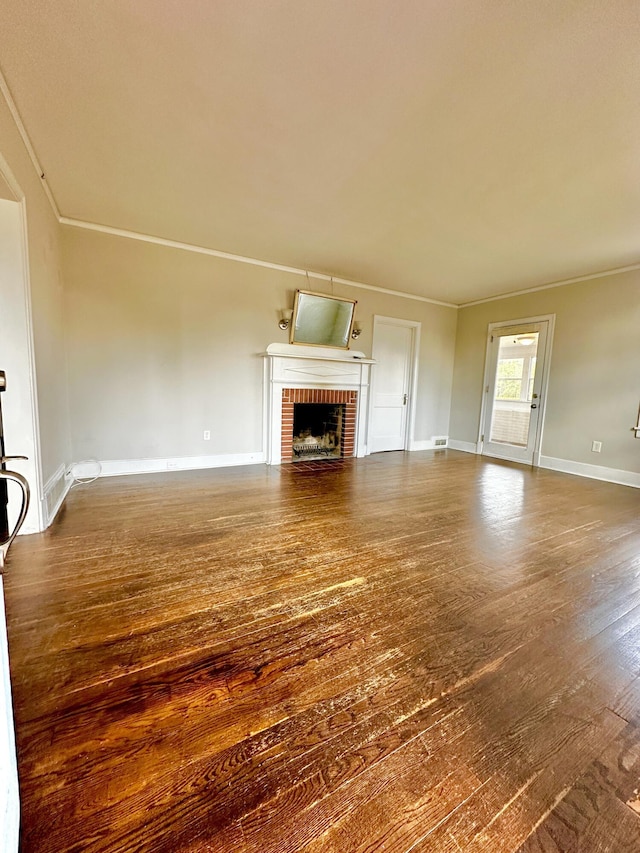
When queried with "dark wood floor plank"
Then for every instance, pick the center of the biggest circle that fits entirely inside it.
(601, 811)
(79, 748)
(523, 785)
(628, 703)
(394, 653)
(473, 717)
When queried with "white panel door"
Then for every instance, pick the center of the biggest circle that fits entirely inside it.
(393, 352)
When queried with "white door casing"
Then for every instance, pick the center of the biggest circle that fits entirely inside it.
(17, 358)
(17, 355)
(525, 448)
(395, 349)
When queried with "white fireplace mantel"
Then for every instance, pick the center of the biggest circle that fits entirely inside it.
(295, 366)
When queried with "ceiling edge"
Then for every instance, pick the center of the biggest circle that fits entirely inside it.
(13, 109)
(203, 250)
(147, 238)
(133, 235)
(561, 283)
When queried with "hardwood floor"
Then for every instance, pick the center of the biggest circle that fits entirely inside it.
(409, 652)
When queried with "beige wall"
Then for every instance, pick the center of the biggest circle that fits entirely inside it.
(46, 293)
(594, 386)
(165, 343)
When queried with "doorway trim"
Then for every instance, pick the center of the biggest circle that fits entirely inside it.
(546, 368)
(415, 326)
(37, 491)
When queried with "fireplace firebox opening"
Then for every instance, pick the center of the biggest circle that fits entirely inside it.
(317, 431)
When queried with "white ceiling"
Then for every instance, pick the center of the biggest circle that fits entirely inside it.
(455, 150)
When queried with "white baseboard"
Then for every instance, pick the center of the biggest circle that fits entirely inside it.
(504, 458)
(120, 467)
(594, 472)
(430, 443)
(465, 446)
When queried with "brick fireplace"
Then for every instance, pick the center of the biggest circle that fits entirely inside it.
(297, 374)
(321, 396)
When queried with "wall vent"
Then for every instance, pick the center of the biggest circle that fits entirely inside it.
(440, 441)
(54, 494)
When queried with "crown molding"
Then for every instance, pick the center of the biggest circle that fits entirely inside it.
(243, 259)
(203, 250)
(552, 284)
(175, 244)
(13, 109)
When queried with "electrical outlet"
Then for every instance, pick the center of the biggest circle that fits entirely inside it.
(596, 446)
(207, 435)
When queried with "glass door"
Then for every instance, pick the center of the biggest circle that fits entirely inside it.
(513, 408)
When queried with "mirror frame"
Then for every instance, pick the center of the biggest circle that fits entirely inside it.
(296, 310)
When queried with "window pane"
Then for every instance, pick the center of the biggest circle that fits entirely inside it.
(509, 378)
(510, 368)
(515, 369)
(508, 389)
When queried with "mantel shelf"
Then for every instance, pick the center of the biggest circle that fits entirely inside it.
(317, 353)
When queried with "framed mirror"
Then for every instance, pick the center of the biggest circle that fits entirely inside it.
(323, 321)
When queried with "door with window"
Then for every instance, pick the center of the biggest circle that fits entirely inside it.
(514, 391)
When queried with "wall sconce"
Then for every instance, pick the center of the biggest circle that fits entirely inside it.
(285, 318)
(356, 332)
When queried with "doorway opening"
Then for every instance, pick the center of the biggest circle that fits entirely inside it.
(517, 368)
